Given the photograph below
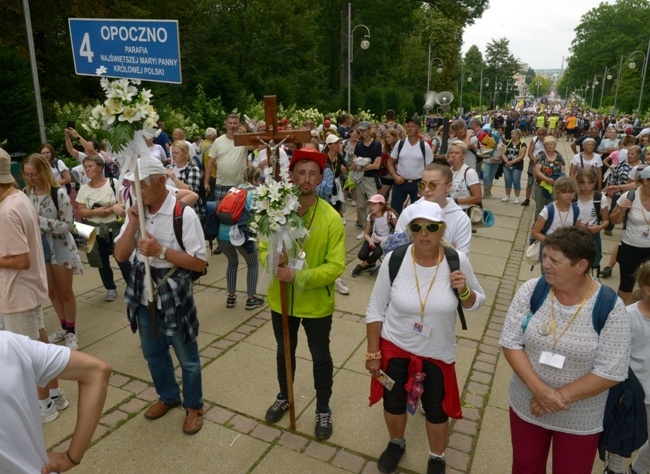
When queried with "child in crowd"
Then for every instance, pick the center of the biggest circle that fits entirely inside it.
(594, 208)
(380, 224)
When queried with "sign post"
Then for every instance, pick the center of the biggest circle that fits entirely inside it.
(135, 49)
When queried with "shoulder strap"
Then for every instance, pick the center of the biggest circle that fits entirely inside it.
(605, 302)
(55, 197)
(178, 222)
(400, 145)
(424, 154)
(550, 209)
(582, 162)
(536, 299)
(598, 197)
(395, 262)
(576, 212)
(454, 264)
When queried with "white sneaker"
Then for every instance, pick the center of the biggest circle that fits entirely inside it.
(71, 341)
(111, 295)
(341, 287)
(57, 336)
(49, 414)
(505, 199)
(360, 236)
(516, 201)
(60, 402)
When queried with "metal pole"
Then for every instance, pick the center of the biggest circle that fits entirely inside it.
(480, 92)
(645, 69)
(462, 81)
(602, 89)
(495, 91)
(32, 58)
(618, 82)
(349, 57)
(593, 87)
(429, 69)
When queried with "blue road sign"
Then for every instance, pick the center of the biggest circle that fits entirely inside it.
(135, 49)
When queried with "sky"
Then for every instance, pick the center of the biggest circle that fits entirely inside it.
(540, 32)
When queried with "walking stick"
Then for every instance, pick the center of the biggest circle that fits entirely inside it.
(287, 354)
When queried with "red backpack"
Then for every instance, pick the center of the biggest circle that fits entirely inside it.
(231, 206)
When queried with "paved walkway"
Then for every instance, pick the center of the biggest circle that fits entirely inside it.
(238, 356)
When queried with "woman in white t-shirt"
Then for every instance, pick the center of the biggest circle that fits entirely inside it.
(588, 159)
(465, 186)
(588, 202)
(634, 248)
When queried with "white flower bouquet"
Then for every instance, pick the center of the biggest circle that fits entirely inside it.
(126, 110)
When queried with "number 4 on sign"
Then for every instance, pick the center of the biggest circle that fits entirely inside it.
(85, 51)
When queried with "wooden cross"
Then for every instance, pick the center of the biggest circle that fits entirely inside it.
(255, 139)
(272, 132)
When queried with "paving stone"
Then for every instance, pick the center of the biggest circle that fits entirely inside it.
(348, 461)
(489, 358)
(500, 313)
(134, 405)
(489, 349)
(483, 367)
(351, 317)
(246, 329)
(99, 432)
(204, 360)
(242, 424)
(135, 386)
(481, 377)
(256, 322)
(118, 380)
(149, 394)
(476, 401)
(456, 459)
(467, 342)
(477, 388)
(218, 415)
(320, 451)
(460, 442)
(222, 344)
(211, 352)
(235, 336)
(471, 414)
(371, 468)
(265, 433)
(113, 419)
(493, 333)
(491, 341)
(292, 441)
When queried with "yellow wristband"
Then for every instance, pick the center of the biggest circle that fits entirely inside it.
(465, 295)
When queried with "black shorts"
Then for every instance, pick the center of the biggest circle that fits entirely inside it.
(630, 259)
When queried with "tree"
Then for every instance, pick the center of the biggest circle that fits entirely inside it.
(530, 75)
(501, 63)
(544, 84)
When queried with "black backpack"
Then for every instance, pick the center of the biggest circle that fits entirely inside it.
(395, 262)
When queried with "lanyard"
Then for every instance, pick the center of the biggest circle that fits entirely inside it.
(553, 325)
(423, 303)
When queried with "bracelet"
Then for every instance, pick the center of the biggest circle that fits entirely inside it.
(72, 460)
(373, 355)
(465, 295)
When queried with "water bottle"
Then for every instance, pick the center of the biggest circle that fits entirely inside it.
(252, 126)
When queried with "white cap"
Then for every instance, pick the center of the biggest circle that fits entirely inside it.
(147, 166)
(237, 237)
(426, 210)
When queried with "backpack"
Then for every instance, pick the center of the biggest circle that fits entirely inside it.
(550, 208)
(497, 138)
(598, 196)
(389, 219)
(178, 232)
(400, 145)
(111, 170)
(68, 187)
(395, 262)
(624, 421)
(232, 206)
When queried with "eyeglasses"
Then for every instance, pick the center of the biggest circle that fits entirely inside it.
(422, 185)
(432, 228)
(31, 175)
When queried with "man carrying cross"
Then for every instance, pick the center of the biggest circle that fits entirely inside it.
(310, 288)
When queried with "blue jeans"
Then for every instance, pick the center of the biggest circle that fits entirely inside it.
(489, 170)
(401, 192)
(161, 366)
(512, 176)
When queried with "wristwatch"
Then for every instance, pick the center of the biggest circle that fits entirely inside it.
(161, 255)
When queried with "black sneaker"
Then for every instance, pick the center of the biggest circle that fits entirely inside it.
(526, 202)
(277, 410)
(368, 268)
(606, 272)
(390, 457)
(323, 429)
(436, 466)
(231, 301)
(254, 302)
(357, 271)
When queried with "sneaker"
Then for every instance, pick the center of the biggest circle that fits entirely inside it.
(111, 295)
(254, 302)
(526, 202)
(516, 201)
(436, 466)
(368, 268)
(606, 272)
(60, 402)
(505, 199)
(323, 429)
(50, 413)
(390, 457)
(357, 271)
(360, 236)
(231, 301)
(277, 410)
(607, 232)
(58, 335)
(359, 226)
(71, 341)
(341, 287)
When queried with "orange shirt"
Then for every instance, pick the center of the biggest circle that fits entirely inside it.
(571, 122)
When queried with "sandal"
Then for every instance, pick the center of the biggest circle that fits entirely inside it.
(193, 421)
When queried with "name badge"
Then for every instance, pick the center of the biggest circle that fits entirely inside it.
(385, 380)
(421, 329)
(552, 360)
(296, 263)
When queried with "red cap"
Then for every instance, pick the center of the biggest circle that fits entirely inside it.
(308, 154)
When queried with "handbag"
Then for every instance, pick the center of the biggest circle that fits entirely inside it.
(532, 253)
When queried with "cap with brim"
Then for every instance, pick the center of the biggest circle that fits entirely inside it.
(364, 125)
(376, 198)
(147, 166)
(426, 210)
(332, 139)
(415, 120)
(5, 168)
(237, 237)
(309, 154)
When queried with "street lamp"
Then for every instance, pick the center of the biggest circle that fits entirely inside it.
(438, 70)
(607, 77)
(462, 80)
(365, 44)
(507, 90)
(644, 69)
(480, 93)
(593, 88)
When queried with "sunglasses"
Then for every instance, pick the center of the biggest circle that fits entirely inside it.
(432, 228)
(423, 185)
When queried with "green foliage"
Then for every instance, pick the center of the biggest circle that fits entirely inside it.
(85, 123)
(530, 75)
(207, 112)
(544, 85)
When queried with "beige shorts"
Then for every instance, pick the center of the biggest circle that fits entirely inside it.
(26, 323)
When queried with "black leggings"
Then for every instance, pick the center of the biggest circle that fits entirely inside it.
(395, 400)
(369, 256)
(630, 259)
